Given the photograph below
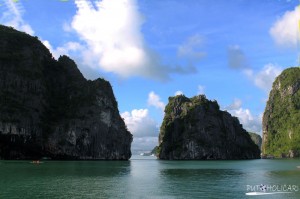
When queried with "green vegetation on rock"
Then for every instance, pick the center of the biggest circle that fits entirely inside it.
(196, 128)
(155, 150)
(281, 129)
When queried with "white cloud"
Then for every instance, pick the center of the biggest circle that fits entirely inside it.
(178, 93)
(144, 129)
(154, 100)
(63, 50)
(192, 48)
(140, 124)
(143, 144)
(111, 31)
(14, 17)
(264, 78)
(285, 31)
(236, 57)
(236, 104)
(250, 122)
(201, 90)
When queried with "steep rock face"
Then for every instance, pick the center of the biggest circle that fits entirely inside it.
(195, 128)
(48, 109)
(281, 119)
(257, 139)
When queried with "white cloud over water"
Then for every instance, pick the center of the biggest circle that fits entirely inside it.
(139, 123)
(144, 144)
(144, 129)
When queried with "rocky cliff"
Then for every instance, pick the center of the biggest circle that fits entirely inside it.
(257, 139)
(281, 119)
(48, 109)
(196, 128)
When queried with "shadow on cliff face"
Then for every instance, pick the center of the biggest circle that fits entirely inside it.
(17, 149)
(48, 108)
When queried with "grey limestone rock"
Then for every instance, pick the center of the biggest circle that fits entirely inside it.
(196, 129)
(48, 109)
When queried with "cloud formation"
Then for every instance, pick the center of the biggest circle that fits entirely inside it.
(264, 78)
(140, 124)
(236, 104)
(63, 50)
(236, 57)
(111, 31)
(192, 48)
(154, 100)
(285, 31)
(250, 122)
(178, 93)
(144, 129)
(14, 17)
(143, 144)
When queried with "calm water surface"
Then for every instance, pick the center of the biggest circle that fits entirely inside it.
(145, 177)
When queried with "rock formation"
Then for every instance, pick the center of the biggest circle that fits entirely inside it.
(281, 119)
(196, 128)
(48, 109)
(256, 139)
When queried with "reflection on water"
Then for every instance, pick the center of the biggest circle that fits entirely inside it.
(144, 177)
(219, 183)
(58, 179)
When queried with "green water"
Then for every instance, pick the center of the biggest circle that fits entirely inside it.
(145, 178)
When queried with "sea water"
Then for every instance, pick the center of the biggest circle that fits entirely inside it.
(146, 177)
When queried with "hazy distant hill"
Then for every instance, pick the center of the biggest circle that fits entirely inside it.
(257, 139)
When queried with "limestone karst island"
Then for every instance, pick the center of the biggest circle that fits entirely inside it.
(48, 109)
(196, 128)
(281, 119)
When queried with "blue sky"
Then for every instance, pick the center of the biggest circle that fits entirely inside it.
(230, 51)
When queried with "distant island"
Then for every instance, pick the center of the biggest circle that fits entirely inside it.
(257, 139)
(48, 109)
(281, 119)
(196, 129)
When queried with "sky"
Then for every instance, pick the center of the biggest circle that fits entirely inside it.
(231, 51)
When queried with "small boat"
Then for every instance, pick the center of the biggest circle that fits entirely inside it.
(298, 167)
(145, 154)
(36, 162)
